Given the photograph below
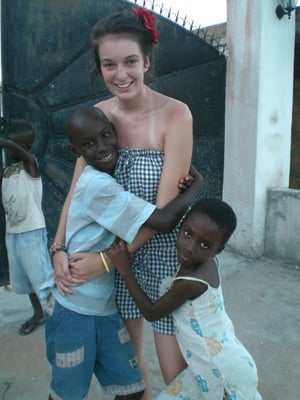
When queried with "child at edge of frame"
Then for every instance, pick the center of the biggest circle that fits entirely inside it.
(219, 366)
(29, 263)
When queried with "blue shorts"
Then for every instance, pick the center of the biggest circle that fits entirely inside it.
(79, 345)
(29, 262)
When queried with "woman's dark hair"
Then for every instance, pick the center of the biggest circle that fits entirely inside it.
(123, 23)
(219, 212)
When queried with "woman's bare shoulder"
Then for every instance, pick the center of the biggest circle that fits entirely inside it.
(174, 107)
(106, 106)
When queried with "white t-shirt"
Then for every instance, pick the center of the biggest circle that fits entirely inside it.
(22, 200)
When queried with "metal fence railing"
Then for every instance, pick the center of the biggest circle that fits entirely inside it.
(214, 35)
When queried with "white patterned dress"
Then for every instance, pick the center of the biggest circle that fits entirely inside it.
(217, 362)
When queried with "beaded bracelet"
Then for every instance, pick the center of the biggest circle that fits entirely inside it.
(55, 245)
(104, 262)
(57, 250)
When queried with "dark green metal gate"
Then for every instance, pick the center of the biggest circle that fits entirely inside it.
(46, 72)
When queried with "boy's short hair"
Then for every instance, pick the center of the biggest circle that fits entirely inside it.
(75, 119)
(22, 130)
(219, 212)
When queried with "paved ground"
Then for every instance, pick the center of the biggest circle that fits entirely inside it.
(262, 297)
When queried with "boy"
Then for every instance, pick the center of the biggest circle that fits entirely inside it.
(26, 237)
(92, 335)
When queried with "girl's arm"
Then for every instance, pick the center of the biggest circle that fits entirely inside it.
(179, 292)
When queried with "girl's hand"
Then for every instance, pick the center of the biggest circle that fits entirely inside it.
(63, 278)
(86, 266)
(119, 256)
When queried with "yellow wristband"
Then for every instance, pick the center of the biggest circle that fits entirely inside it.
(104, 262)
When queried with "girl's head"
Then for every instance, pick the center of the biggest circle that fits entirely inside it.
(205, 230)
(137, 25)
(23, 134)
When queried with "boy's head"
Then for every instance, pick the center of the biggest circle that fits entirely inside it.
(93, 137)
(205, 230)
(21, 133)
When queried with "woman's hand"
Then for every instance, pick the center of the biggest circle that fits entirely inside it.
(63, 277)
(86, 266)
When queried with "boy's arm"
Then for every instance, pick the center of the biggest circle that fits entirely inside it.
(166, 218)
(165, 305)
(23, 154)
(87, 266)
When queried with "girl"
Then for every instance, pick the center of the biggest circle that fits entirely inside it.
(220, 364)
(155, 137)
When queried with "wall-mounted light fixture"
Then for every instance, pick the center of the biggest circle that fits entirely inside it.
(285, 8)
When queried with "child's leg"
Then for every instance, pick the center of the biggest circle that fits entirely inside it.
(184, 386)
(38, 313)
(135, 329)
(36, 320)
(71, 351)
(170, 358)
(117, 367)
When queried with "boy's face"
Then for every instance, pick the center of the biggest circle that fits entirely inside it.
(97, 144)
(199, 239)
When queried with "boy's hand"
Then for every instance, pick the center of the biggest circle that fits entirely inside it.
(185, 183)
(63, 278)
(120, 256)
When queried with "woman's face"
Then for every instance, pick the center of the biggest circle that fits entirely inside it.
(122, 66)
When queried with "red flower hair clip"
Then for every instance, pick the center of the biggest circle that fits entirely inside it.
(149, 22)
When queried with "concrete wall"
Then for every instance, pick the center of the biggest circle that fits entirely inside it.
(282, 236)
(258, 115)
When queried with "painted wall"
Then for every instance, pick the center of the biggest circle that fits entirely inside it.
(258, 115)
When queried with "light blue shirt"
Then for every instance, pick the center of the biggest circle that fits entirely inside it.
(100, 211)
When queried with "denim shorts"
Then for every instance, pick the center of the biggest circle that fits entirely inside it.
(79, 345)
(29, 262)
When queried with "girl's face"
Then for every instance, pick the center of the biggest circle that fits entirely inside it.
(199, 238)
(122, 65)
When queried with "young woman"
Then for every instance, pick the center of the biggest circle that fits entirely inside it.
(155, 138)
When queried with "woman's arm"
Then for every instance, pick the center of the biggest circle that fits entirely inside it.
(178, 147)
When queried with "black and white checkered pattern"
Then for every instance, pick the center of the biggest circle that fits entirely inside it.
(139, 170)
